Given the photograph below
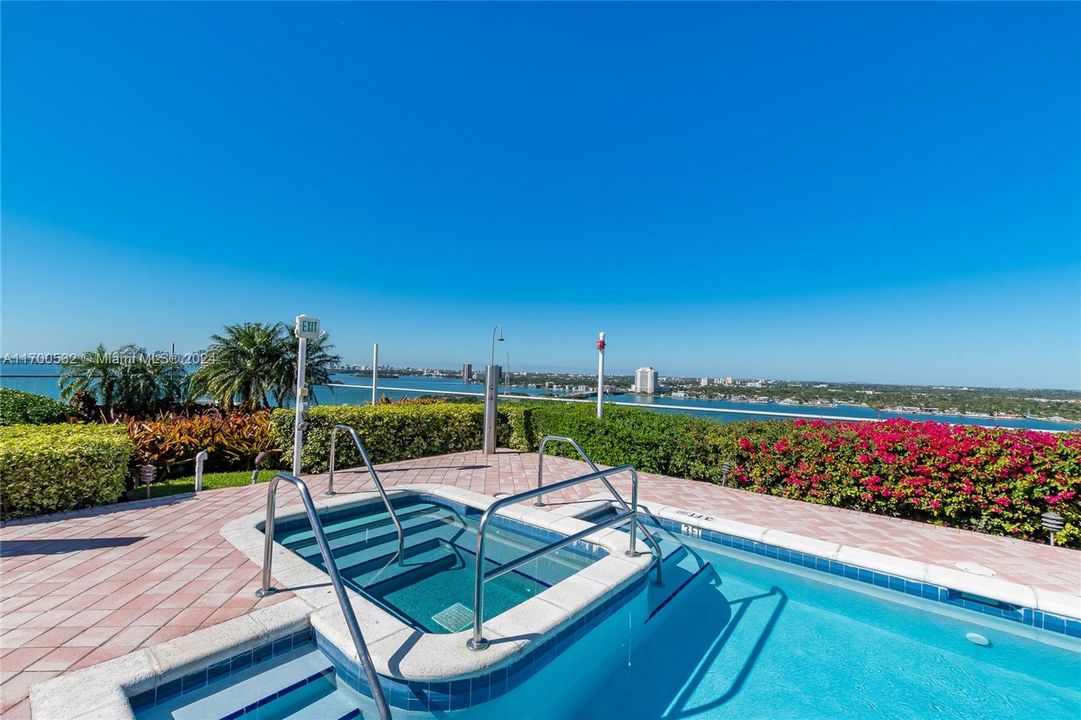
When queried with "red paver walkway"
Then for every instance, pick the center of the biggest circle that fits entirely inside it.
(86, 587)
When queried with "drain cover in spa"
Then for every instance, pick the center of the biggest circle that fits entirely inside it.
(455, 618)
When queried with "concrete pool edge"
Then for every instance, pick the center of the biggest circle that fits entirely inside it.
(400, 651)
(101, 692)
(1030, 601)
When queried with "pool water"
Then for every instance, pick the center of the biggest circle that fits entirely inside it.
(432, 589)
(734, 635)
(755, 638)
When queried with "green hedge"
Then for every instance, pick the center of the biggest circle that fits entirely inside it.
(18, 407)
(54, 468)
(991, 480)
(390, 432)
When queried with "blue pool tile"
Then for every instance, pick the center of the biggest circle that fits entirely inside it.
(168, 691)
(822, 564)
(142, 701)
(851, 572)
(480, 690)
(217, 671)
(283, 645)
(194, 681)
(262, 653)
(241, 662)
(897, 584)
(929, 591)
(880, 579)
(837, 568)
(864, 576)
(1073, 627)
(1054, 623)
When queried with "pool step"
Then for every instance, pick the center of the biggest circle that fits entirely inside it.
(304, 536)
(258, 685)
(335, 706)
(371, 556)
(364, 538)
(421, 559)
(417, 569)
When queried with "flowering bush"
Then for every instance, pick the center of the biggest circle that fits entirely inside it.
(996, 480)
(993, 480)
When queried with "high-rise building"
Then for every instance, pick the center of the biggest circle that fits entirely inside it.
(645, 380)
(467, 372)
(729, 381)
(704, 382)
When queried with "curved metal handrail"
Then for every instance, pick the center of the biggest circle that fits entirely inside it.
(647, 536)
(375, 478)
(335, 580)
(477, 642)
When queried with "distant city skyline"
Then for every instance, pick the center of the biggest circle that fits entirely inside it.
(775, 190)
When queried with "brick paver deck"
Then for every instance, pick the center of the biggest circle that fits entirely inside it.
(87, 587)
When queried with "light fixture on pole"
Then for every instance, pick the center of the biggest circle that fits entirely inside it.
(1053, 523)
(494, 339)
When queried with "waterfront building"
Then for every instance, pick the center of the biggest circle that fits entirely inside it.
(467, 372)
(645, 380)
(704, 382)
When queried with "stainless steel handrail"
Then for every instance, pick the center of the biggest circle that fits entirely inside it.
(477, 642)
(375, 479)
(335, 580)
(647, 536)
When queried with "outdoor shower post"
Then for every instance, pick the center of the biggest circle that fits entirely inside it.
(491, 398)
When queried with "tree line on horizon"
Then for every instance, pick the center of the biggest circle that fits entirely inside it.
(248, 366)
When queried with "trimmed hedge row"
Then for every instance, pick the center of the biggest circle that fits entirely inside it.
(54, 468)
(18, 407)
(997, 481)
(390, 432)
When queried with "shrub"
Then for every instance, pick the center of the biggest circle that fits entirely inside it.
(991, 480)
(997, 481)
(232, 440)
(53, 468)
(18, 407)
(390, 432)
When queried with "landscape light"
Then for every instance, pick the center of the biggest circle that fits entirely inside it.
(1052, 522)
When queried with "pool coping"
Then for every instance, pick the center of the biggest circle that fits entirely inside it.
(101, 691)
(802, 548)
(402, 652)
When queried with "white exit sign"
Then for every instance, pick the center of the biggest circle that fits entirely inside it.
(307, 327)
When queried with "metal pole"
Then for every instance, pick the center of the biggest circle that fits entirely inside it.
(600, 375)
(330, 474)
(200, 458)
(491, 400)
(375, 369)
(301, 395)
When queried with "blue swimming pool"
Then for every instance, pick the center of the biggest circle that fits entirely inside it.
(750, 637)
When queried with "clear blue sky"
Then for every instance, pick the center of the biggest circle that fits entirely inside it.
(880, 192)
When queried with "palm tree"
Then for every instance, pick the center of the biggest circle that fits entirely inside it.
(95, 373)
(251, 362)
(128, 380)
(320, 362)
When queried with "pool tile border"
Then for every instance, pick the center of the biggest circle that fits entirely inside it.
(241, 662)
(463, 693)
(982, 602)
